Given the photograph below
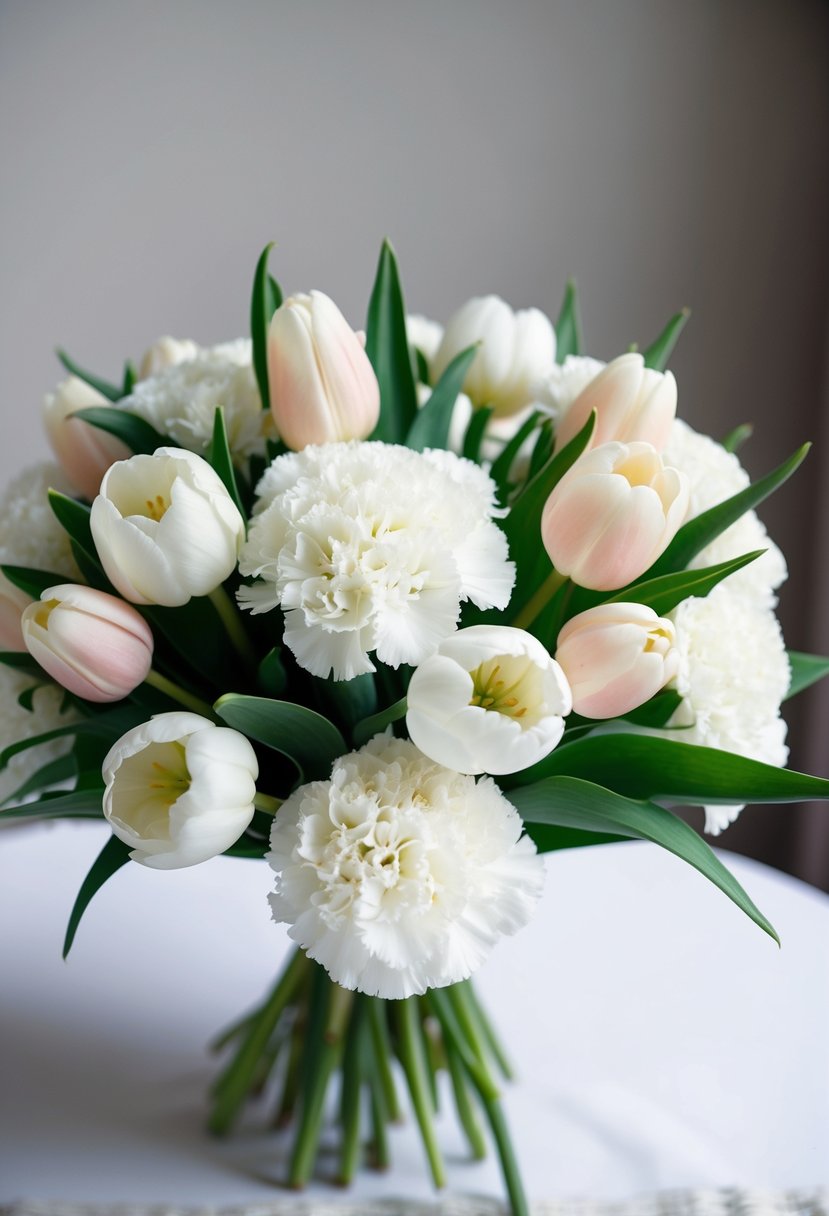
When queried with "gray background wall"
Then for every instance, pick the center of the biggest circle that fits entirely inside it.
(666, 153)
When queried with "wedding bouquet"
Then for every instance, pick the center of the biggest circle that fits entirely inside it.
(396, 613)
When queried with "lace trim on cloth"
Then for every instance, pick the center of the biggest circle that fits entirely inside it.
(730, 1202)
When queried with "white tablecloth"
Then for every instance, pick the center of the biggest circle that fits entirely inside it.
(662, 1040)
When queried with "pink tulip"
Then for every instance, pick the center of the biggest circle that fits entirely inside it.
(12, 603)
(615, 657)
(92, 643)
(84, 451)
(632, 404)
(322, 386)
(612, 514)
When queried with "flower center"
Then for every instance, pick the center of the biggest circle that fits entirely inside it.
(498, 684)
(658, 641)
(155, 507)
(149, 784)
(169, 777)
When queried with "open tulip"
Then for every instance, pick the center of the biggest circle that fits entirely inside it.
(632, 402)
(165, 527)
(12, 603)
(517, 351)
(616, 657)
(179, 790)
(490, 700)
(92, 643)
(85, 452)
(322, 386)
(612, 514)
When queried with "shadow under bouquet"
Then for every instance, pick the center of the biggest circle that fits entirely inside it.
(396, 613)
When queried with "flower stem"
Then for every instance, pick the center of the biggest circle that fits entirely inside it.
(267, 803)
(537, 602)
(381, 1047)
(463, 1105)
(329, 1010)
(231, 618)
(156, 680)
(379, 1115)
(350, 1102)
(413, 1059)
(506, 1154)
(487, 1030)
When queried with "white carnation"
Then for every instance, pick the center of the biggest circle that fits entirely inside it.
(560, 388)
(30, 534)
(17, 723)
(180, 400)
(372, 547)
(399, 875)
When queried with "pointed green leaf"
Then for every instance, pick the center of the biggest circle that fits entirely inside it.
(430, 428)
(52, 773)
(568, 325)
(139, 435)
(130, 378)
(110, 724)
(735, 439)
(271, 675)
(657, 711)
(373, 725)
(349, 700)
(266, 297)
(543, 448)
(32, 582)
(388, 350)
(573, 803)
(112, 856)
(20, 660)
(73, 516)
(550, 839)
(806, 670)
(662, 594)
(111, 391)
(659, 352)
(77, 804)
(502, 466)
(220, 459)
(305, 737)
(474, 437)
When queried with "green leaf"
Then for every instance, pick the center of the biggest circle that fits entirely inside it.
(474, 437)
(648, 766)
(130, 378)
(73, 516)
(110, 724)
(388, 350)
(112, 856)
(568, 325)
(52, 773)
(543, 447)
(735, 439)
(266, 297)
(77, 804)
(349, 700)
(806, 669)
(305, 737)
(111, 391)
(549, 839)
(26, 699)
(220, 459)
(369, 727)
(32, 582)
(659, 352)
(657, 711)
(272, 676)
(139, 435)
(430, 428)
(20, 660)
(568, 802)
(662, 594)
(501, 467)
(196, 635)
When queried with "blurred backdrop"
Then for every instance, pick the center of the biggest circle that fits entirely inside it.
(664, 153)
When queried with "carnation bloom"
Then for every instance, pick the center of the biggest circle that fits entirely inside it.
(398, 875)
(490, 700)
(49, 711)
(30, 534)
(372, 547)
(179, 790)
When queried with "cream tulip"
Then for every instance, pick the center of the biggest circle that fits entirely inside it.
(322, 386)
(166, 352)
(612, 514)
(179, 790)
(517, 352)
(91, 643)
(165, 528)
(12, 603)
(616, 657)
(490, 700)
(85, 452)
(632, 403)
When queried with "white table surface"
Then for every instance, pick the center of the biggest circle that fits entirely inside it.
(662, 1039)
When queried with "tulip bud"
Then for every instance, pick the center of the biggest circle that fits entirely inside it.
(612, 514)
(165, 527)
(166, 352)
(12, 603)
(615, 657)
(179, 790)
(632, 402)
(517, 351)
(93, 644)
(85, 452)
(490, 700)
(322, 386)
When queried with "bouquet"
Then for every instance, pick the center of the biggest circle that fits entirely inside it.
(397, 613)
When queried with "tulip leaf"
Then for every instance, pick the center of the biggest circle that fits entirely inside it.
(430, 428)
(543, 447)
(474, 437)
(112, 856)
(349, 700)
(659, 352)
(140, 436)
(649, 766)
(574, 803)
(77, 804)
(388, 350)
(221, 460)
(130, 378)
(373, 725)
(54, 772)
(20, 660)
(735, 439)
(663, 593)
(266, 297)
(568, 325)
(305, 737)
(73, 516)
(502, 465)
(806, 670)
(551, 839)
(110, 724)
(657, 711)
(111, 391)
(196, 635)
(33, 582)
(271, 675)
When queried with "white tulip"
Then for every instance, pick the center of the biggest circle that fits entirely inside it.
(167, 352)
(165, 527)
(516, 354)
(179, 790)
(490, 700)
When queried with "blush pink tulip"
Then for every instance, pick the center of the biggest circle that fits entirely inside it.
(12, 603)
(322, 386)
(616, 657)
(612, 514)
(85, 452)
(91, 643)
(632, 403)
